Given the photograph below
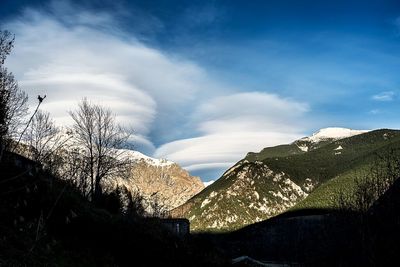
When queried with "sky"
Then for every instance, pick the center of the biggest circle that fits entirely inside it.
(202, 83)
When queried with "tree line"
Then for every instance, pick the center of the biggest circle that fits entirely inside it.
(87, 153)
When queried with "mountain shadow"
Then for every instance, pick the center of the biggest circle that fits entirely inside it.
(320, 237)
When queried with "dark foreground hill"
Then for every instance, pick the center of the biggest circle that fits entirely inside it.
(44, 221)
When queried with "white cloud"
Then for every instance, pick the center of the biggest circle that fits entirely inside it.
(384, 96)
(235, 124)
(253, 111)
(223, 148)
(250, 103)
(72, 56)
(205, 166)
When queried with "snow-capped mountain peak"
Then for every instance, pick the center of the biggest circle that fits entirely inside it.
(332, 133)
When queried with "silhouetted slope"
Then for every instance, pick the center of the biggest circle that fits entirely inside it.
(384, 227)
(44, 221)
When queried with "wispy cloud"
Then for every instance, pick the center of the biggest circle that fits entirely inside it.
(375, 111)
(384, 96)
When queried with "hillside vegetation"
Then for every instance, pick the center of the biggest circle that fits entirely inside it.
(270, 182)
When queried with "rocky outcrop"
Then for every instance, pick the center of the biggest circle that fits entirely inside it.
(161, 180)
(248, 192)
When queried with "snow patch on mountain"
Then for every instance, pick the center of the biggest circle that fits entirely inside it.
(303, 148)
(137, 156)
(207, 183)
(332, 133)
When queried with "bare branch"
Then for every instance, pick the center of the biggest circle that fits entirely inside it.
(98, 137)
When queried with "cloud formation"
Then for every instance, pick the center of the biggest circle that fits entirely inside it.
(66, 61)
(177, 110)
(384, 96)
(235, 124)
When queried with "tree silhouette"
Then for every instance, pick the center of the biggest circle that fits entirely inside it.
(13, 101)
(98, 137)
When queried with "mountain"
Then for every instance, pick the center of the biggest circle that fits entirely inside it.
(160, 180)
(302, 174)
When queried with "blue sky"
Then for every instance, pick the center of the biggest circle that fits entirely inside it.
(204, 82)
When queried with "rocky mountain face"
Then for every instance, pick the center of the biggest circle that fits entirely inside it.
(248, 192)
(160, 180)
(267, 183)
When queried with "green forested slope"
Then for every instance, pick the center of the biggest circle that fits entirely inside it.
(270, 182)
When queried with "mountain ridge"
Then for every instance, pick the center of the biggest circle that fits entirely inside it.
(261, 186)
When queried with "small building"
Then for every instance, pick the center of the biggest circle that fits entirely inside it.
(178, 226)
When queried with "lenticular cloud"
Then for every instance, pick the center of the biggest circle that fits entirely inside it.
(176, 109)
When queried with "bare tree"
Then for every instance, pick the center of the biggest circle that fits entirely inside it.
(45, 141)
(98, 137)
(13, 101)
(368, 188)
(370, 185)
